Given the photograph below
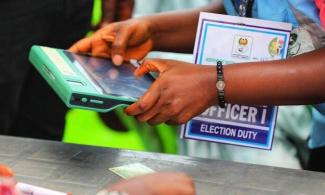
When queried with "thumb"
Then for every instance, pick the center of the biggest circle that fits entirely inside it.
(152, 65)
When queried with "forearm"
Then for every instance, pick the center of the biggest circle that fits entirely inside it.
(175, 31)
(299, 80)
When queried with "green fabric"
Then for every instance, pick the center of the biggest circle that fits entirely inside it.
(85, 127)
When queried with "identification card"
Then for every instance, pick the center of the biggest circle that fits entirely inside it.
(232, 39)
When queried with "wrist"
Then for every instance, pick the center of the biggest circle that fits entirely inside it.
(210, 72)
(153, 31)
(148, 25)
(156, 30)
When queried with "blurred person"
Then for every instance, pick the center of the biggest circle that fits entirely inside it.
(176, 32)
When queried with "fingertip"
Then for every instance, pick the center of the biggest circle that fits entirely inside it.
(73, 49)
(126, 110)
(117, 60)
(130, 109)
(82, 46)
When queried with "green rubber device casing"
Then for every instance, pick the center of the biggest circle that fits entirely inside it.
(74, 89)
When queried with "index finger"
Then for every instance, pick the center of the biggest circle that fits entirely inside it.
(151, 65)
(82, 46)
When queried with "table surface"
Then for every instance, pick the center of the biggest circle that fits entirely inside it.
(83, 170)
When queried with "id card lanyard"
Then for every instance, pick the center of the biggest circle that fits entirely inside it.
(244, 7)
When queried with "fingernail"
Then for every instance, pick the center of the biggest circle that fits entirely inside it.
(117, 60)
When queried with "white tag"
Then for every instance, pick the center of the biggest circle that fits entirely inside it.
(27, 189)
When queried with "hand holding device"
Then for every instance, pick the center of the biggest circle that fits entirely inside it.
(181, 91)
(121, 41)
(88, 82)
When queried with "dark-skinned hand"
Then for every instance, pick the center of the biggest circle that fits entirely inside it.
(121, 41)
(181, 92)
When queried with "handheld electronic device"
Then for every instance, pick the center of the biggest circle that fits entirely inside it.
(87, 82)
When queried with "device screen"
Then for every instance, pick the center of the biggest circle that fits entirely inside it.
(112, 79)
